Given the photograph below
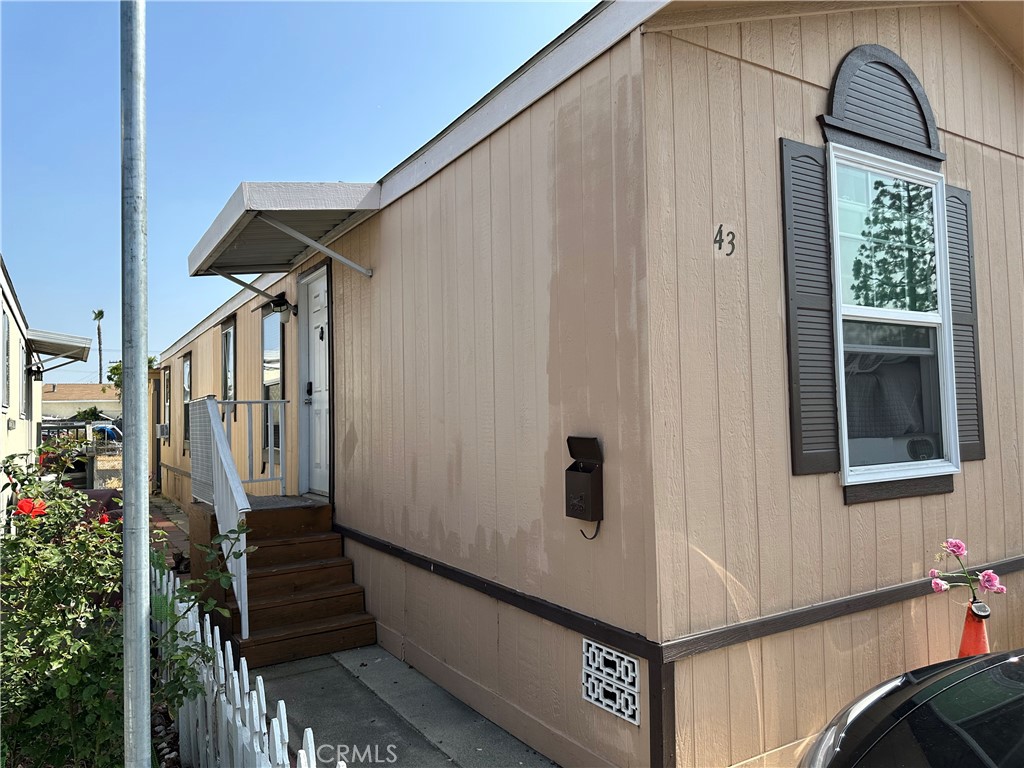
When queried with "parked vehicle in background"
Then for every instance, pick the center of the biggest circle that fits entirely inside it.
(957, 714)
(90, 439)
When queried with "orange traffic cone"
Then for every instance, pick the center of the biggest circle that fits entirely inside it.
(975, 636)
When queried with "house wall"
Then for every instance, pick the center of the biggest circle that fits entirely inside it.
(505, 313)
(205, 348)
(65, 409)
(738, 536)
(18, 435)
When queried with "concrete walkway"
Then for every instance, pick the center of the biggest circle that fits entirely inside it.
(165, 516)
(367, 707)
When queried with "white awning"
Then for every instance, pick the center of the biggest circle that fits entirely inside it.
(51, 346)
(247, 237)
(74, 348)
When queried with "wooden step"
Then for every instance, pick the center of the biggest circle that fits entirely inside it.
(298, 607)
(294, 549)
(287, 578)
(306, 639)
(288, 521)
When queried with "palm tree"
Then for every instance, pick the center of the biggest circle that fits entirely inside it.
(97, 315)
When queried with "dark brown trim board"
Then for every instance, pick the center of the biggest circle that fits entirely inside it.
(175, 470)
(660, 676)
(897, 489)
(812, 614)
(661, 657)
(602, 631)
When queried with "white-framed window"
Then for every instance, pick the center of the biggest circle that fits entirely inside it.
(26, 383)
(167, 395)
(227, 363)
(5, 361)
(186, 395)
(893, 322)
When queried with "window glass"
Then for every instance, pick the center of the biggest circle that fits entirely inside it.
(167, 396)
(227, 382)
(893, 340)
(186, 392)
(893, 405)
(5, 339)
(886, 229)
(977, 722)
(26, 384)
(273, 381)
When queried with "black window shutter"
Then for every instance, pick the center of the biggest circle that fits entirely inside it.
(965, 324)
(814, 429)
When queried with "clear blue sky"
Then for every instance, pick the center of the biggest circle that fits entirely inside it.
(238, 91)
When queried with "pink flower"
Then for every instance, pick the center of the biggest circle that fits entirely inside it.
(933, 574)
(938, 585)
(988, 581)
(955, 547)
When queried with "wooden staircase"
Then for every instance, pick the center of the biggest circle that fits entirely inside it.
(302, 598)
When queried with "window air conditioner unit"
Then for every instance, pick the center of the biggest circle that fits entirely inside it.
(163, 431)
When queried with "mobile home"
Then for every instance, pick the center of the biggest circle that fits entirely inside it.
(760, 267)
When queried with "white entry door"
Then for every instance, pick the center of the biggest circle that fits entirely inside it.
(316, 389)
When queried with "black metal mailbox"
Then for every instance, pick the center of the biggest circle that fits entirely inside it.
(584, 481)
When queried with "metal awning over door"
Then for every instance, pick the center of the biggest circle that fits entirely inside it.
(271, 226)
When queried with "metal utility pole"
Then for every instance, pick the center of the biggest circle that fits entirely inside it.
(134, 333)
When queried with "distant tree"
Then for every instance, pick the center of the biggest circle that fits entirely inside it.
(89, 414)
(115, 373)
(895, 266)
(97, 315)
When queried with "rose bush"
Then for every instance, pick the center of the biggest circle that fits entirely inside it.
(61, 649)
(60, 595)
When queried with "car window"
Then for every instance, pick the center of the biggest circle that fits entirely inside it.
(978, 722)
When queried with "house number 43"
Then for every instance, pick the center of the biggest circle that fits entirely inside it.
(725, 240)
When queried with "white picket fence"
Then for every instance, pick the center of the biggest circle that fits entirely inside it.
(227, 726)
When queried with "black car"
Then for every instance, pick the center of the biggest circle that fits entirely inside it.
(958, 714)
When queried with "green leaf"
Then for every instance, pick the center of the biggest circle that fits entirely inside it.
(62, 691)
(161, 607)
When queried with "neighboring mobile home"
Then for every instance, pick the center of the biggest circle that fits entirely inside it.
(770, 256)
(25, 355)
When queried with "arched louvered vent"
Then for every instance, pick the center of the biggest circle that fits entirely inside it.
(877, 104)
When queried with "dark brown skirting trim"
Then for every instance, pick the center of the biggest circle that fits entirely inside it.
(723, 637)
(660, 657)
(175, 470)
(601, 631)
(661, 702)
(661, 697)
(898, 489)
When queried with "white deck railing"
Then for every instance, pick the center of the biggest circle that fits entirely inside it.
(270, 416)
(227, 725)
(215, 480)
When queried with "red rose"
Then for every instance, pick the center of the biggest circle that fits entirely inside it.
(31, 507)
(104, 519)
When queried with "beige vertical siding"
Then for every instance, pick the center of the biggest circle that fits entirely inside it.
(516, 669)
(504, 314)
(737, 535)
(206, 380)
(904, 634)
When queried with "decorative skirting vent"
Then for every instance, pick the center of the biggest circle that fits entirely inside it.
(611, 680)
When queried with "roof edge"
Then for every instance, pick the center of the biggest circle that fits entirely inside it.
(595, 32)
(232, 305)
